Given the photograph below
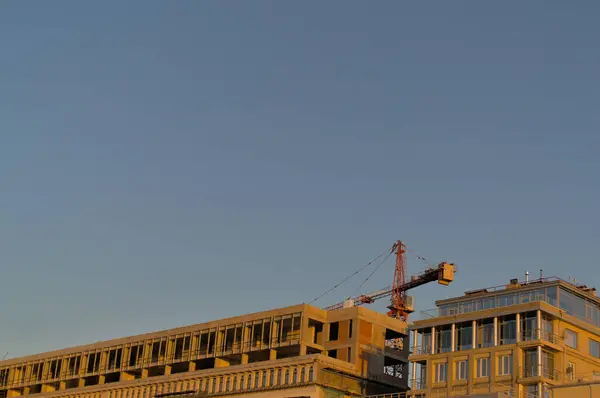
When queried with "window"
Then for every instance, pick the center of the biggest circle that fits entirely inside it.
(570, 338)
(485, 334)
(594, 348)
(441, 372)
(443, 339)
(462, 369)
(483, 367)
(464, 336)
(571, 371)
(350, 329)
(505, 364)
(507, 330)
(334, 331)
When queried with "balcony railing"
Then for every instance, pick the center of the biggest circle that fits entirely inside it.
(418, 384)
(538, 334)
(539, 371)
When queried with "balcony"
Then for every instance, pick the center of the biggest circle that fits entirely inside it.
(538, 334)
(539, 371)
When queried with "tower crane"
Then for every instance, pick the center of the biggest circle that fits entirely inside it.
(402, 305)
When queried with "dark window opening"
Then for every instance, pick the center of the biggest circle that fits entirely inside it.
(334, 331)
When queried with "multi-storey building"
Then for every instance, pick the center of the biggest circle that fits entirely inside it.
(526, 339)
(299, 351)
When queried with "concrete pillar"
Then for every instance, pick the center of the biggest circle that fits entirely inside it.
(302, 349)
(539, 360)
(433, 340)
(167, 370)
(414, 373)
(415, 340)
(191, 366)
(474, 330)
(244, 359)
(61, 385)
(538, 317)
(144, 373)
(81, 383)
(101, 379)
(518, 328)
(495, 331)
(272, 355)
(453, 338)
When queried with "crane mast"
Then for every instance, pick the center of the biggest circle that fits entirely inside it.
(397, 307)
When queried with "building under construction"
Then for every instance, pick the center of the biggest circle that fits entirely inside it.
(299, 351)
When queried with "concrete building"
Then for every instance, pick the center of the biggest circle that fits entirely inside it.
(299, 351)
(535, 339)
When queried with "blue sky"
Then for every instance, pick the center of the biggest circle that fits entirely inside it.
(167, 163)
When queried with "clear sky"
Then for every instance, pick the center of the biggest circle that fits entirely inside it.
(167, 163)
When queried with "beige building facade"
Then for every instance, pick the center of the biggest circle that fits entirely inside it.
(533, 339)
(298, 351)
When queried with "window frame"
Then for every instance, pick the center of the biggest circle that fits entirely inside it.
(480, 367)
(505, 365)
(597, 344)
(462, 370)
(438, 368)
(571, 333)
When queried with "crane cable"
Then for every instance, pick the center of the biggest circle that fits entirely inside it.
(372, 272)
(358, 271)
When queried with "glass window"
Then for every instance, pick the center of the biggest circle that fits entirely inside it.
(548, 364)
(570, 338)
(462, 370)
(464, 336)
(441, 372)
(507, 330)
(528, 327)
(530, 364)
(443, 340)
(485, 334)
(489, 303)
(594, 348)
(483, 367)
(505, 365)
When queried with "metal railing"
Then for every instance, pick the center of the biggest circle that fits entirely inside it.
(539, 371)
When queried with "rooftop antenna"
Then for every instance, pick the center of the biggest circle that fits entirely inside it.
(526, 276)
